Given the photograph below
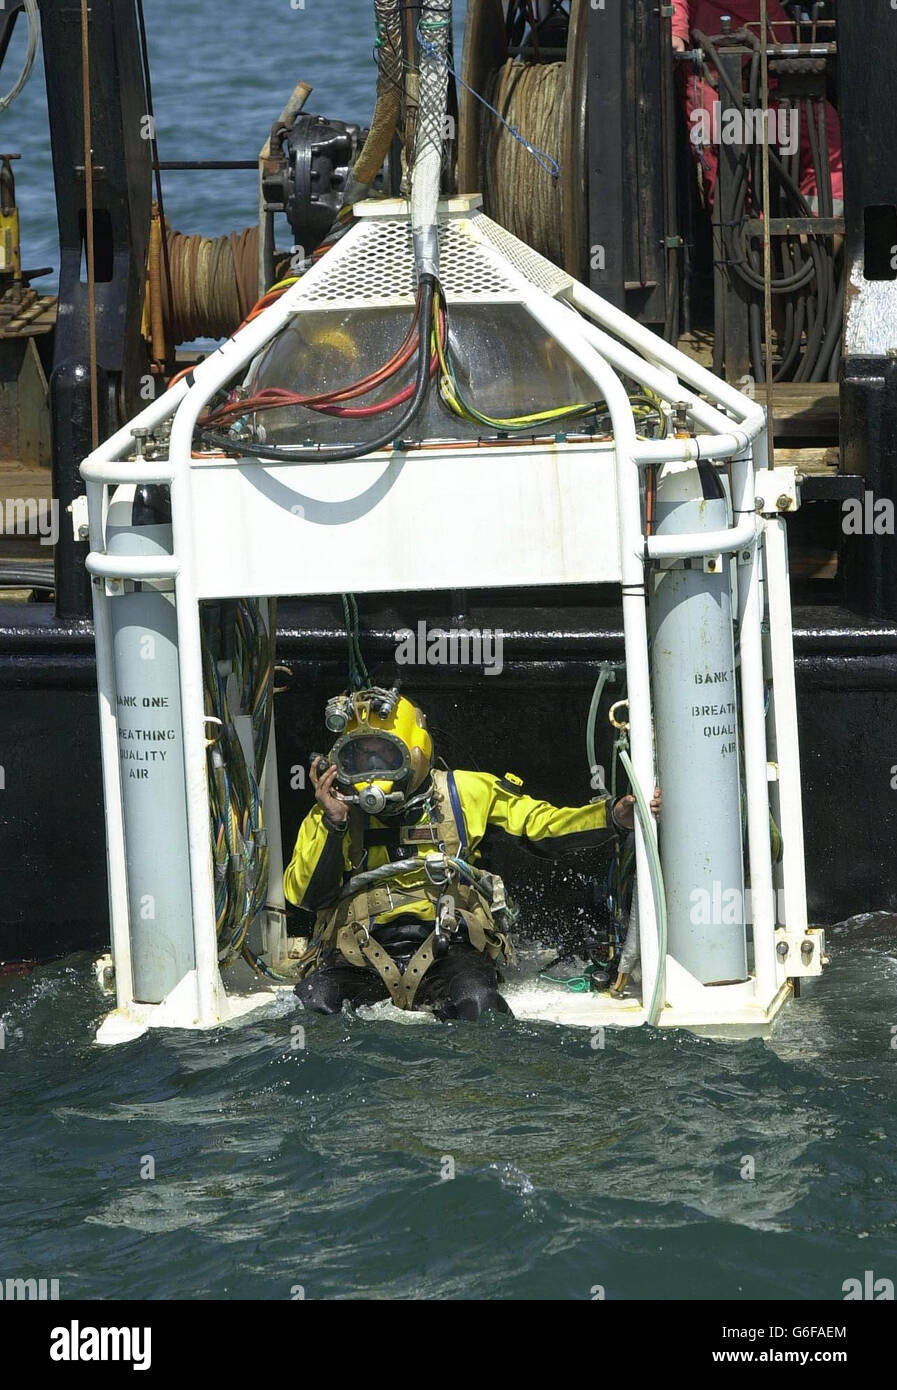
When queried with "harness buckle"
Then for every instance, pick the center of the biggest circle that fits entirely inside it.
(446, 920)
(436, 868)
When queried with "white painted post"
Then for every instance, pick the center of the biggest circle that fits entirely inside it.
(753, 696)
(783, 721)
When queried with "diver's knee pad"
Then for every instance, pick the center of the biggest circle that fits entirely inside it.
(321, 992)
(473, 987)
(469, 1004)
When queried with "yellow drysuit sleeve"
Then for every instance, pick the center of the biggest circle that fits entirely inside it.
(320, 858)
(538, 826)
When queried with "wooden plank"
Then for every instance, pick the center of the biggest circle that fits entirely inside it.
(20, 533)
(16, 595)
(699, 345)
(819, 461)
(23, 550)
(809, 409)
(20, 480)
(813, 564)
(802, 409)
(34, 318)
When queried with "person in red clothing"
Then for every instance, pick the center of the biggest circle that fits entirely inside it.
(705, 16)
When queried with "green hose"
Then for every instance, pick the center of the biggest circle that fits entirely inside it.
(577, 984)
(660, 906)
(358, 672)
(593, 719)
(608, 668)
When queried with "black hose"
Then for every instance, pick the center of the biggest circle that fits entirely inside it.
(14, 576)
(755, 329)
(834, 365)
(736, 256)
(828, 356)
(810, 278)
(816, 329)
(339, 453)
(796, 303)
(796, 317)
(826, 198)
(775, 161)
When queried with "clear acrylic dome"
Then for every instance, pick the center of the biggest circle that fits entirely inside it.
(506, 366)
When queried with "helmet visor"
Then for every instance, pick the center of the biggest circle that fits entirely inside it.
(369, 756)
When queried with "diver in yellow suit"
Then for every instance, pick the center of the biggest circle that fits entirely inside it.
(388, 860)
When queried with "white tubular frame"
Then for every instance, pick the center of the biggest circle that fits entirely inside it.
(185, 402)
(604, 342)
(782, 723)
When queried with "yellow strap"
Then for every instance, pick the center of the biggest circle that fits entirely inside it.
(380, 960)
(358, 946)
(348, 946)
(484, 935)
(417, 968)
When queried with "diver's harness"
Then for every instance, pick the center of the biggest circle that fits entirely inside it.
(460, 894)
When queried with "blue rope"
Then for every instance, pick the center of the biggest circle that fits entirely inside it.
(544, 160)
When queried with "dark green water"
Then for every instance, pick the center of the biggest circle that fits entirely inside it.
(320, 1167)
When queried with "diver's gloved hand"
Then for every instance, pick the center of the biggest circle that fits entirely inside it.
(623, 812)
(335, 808)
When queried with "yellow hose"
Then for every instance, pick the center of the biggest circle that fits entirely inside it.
(385, 120)
(157, 325)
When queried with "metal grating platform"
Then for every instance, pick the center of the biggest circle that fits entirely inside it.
(541, 272)
(373, 266)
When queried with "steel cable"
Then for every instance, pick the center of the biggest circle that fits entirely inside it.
(518, 191)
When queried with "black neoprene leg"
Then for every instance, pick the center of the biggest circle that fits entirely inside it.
(326, 989)
(463, 984)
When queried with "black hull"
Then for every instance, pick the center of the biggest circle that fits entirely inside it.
(528, 720)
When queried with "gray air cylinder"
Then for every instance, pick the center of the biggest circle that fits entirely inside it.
(151, 755)
(696, 730)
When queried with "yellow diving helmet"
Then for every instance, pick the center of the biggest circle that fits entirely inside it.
(384, 752)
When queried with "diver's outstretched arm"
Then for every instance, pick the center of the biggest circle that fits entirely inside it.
(546, 830)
